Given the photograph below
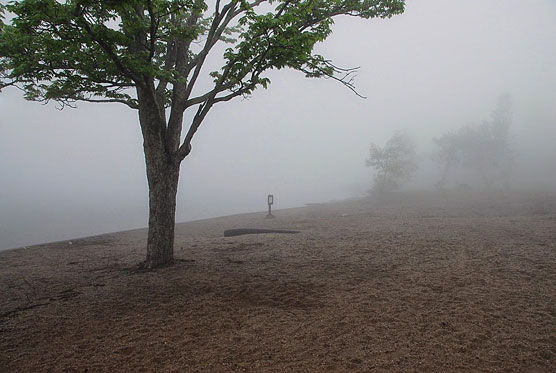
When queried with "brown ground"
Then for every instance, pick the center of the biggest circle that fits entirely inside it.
(409, 283)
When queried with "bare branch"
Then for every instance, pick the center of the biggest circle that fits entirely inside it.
(217, 7)
(244, 90)
(200, 99)
(9, 84)
(347, 78)
(129, 103)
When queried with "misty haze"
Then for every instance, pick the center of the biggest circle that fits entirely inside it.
(420, 198)
(439, 66)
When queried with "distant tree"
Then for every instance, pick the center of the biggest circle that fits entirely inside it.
(151, 55)
(394, 163)
(486, 149)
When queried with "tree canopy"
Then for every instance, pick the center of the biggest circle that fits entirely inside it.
(93, 50)
(394, 163)
(486, 149)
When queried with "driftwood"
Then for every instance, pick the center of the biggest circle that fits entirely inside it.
(240, 231)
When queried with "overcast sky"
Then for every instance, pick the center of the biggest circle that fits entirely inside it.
(439, 66)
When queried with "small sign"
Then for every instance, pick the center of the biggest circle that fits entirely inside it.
(270, 201)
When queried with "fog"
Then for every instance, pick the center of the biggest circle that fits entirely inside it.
(439, 66)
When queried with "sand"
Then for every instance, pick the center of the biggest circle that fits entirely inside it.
(409, 282)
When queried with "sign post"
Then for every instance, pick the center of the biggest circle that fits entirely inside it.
(270, 202)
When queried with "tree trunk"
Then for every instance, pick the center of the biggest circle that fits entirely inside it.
(163, 186)
(162, 175)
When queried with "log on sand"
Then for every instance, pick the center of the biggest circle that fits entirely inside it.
(241, 231)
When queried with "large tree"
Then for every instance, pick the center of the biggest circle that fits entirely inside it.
(151, 55)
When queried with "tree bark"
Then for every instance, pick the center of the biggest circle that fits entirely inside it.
(162, 176)
(163, 186)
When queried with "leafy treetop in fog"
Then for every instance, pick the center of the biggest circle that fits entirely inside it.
(93, 50)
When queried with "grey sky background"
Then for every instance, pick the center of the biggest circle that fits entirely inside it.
(439, 66)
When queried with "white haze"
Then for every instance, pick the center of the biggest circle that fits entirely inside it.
(439, 66)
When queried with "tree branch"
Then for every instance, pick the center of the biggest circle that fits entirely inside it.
(347, 79)
(152, 29)
(108, 49)
(218, 25)
(200, 99)
(130, 103)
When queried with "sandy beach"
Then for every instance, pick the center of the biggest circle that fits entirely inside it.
(409, 282)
